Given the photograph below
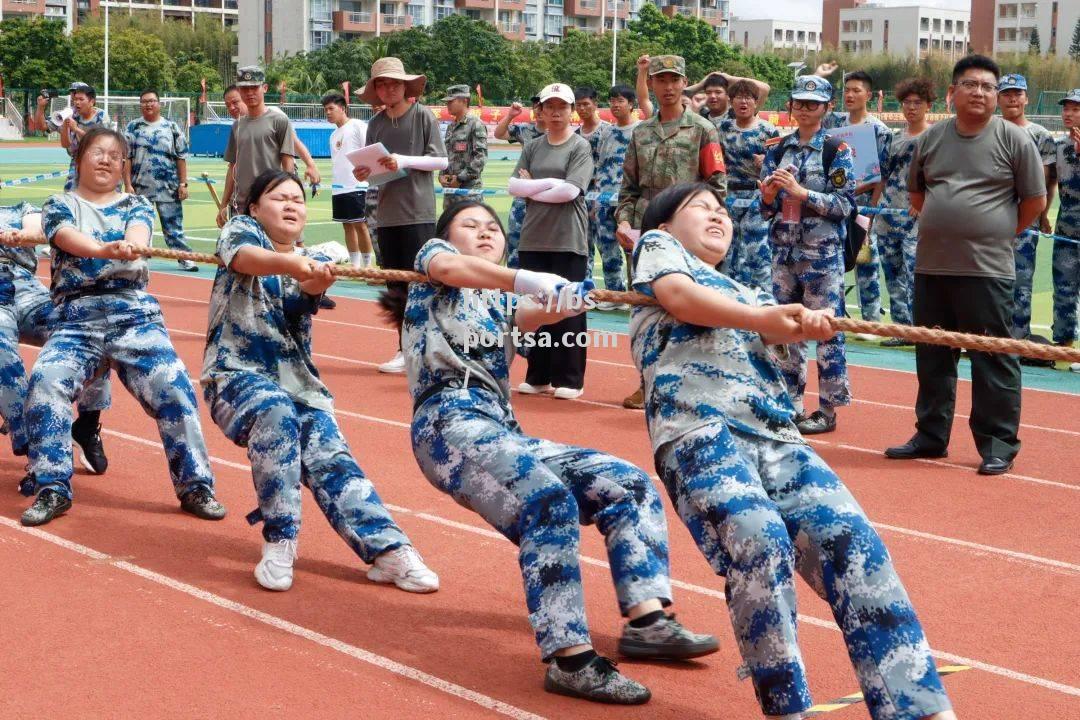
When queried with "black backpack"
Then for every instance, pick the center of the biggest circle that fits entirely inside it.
(854, 235)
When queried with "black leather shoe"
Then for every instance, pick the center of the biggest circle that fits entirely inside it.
(47, 505)
(817, 423)
(86, 434)
(911, 450)
(326, 303)
(995, 466)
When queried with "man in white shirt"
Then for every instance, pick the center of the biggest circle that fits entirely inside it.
(349, 197)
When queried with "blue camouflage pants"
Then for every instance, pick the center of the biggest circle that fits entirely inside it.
(1066, 272)
(536, 492)
(749, 258)
(171, 215)
(898, 235)
(761, 510)
(125, 329)
(1024, 251)
(24, 313)
(867, 277)
(602, 227)
(289, 445)
(818, 284)
(513, 236)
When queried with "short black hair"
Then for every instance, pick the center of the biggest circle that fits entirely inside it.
(623, 91)
(266, 182)
(442, 227)
(585, 92)
(92, 137)
(87, 91)
(334, 98)
(663, 207)
(231, 88)
(975, 62)
(860, 76)
(743, 88)
(714, 80)
(150, 91)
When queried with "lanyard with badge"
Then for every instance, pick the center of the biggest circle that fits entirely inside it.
(791, 206)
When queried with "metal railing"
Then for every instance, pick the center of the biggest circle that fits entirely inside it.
(359, 18)
(395, 20)
(510, 27)
(297, 111)
(13, 116)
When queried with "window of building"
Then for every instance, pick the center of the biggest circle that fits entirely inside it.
(866, 45)
(1007, 10)
(924, 24)
(848, 46)
(935, 44)
(443, 11)
(553, 25)
(1007, 34)
(778, 35)
(530, 23)
(924, 43)
(850, 26)
(789, 35)
(812, 36)
(554, 3)
(937, 24)
(416, 12)
(1028, 10)
(801, 36)
(866, 26)
(948, 46)
(319, 39)
(948, 26)
(959, 27)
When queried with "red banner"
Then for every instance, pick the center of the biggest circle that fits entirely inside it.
(492, 115)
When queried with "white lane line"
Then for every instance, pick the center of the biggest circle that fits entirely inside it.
(283, 625)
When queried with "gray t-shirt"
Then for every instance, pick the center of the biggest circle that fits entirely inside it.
(972, 187)
(255, 146)
(557, 227)
(409, 200)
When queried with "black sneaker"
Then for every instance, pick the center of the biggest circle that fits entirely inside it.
(665, 639)
(4, 428)
(598, 681)
(28, 485)
(327, 303)
(47, 505)
(86, 434)
(897, 342)
(817, 423)
(201, 503)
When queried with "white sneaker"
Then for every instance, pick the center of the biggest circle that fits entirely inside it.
(568, 393)
(866, 337)
(188, 266)
(275, 570)
(527, 389)
(1075, 367)
(404, 567)
(606, 306)
(395, 366)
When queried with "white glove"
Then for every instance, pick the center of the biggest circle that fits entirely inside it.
(539, 285)
(573, 299)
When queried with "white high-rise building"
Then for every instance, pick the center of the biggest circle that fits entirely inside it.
(73, 11)
(909, 31)
(1005, 26)
(754, 35)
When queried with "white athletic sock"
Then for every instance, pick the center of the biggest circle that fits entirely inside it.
(356, 259)
(369, 259)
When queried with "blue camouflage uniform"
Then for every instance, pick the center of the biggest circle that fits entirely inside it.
(265, 394)
(608, 160)
(867, 275)
(748, 259)
(518, 133)
(1066, 263)
(535, 492)
(99, 119)
(897, 235)
(1027, 242)
(25, 306)
(593, 139)
(104, 315)
(761, 504)
(154, 149)
(808, 258)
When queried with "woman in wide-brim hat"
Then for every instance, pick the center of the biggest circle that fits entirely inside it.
(392, 68)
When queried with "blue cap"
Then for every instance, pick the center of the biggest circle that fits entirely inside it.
(1012, 81)
(812, 87)
(1071, 96)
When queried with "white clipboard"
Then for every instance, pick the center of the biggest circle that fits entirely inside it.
(369, 157)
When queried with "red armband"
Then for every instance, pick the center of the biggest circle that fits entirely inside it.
(711, 161)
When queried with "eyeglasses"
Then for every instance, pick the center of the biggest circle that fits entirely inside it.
(97, 155)
(913, 103)
(148, 102)
(805, 104)
(973, 85)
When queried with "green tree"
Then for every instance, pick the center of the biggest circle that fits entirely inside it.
(529, 69)
(340, 61)
(299, 74)
(692, 38)
(1034, 46)
(35, 53)
(582, 59)
(189, 74)
(1074, 46)
(206, 39)
(137, 60)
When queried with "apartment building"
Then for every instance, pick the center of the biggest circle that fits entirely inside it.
(908, 31)
(72, 11)
(268, 28)
(769, 34)
(1004, 26)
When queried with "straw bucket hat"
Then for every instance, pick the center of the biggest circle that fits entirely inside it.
(391, 67)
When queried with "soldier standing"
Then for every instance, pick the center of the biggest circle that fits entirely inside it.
(158, 170)
(674, 146)
(466, 148)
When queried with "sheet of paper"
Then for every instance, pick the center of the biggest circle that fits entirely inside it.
(369, 157)
(863, 144)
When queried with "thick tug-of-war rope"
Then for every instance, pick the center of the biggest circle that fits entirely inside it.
(929, 336)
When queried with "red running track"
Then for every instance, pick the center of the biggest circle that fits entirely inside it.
(126, 607)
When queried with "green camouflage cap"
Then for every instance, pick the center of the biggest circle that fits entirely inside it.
(250, 76)
(457, 91)
(667, 64)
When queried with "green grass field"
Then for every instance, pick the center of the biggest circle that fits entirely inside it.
(199, 213)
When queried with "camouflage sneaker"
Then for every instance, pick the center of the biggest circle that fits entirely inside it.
(598, 681)
(665, 639)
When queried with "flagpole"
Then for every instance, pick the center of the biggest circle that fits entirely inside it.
(615, 37)
(106, 4)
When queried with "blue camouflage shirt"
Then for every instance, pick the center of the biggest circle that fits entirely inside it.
(740, 147)
(896, 171)
(609, 155)
(696, 376)
(74, 275)
(820, 232)
(11, 218)
(154, 149)
(98, 119)
(521, 133)
(260, 325)
(441, 320)
(1068, 171)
